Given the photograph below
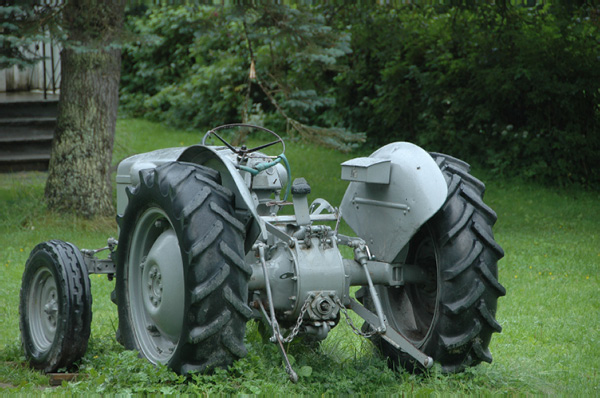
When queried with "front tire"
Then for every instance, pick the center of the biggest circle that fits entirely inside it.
(55, 308)
(451, 317)
(181, 275)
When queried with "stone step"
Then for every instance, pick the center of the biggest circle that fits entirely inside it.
(27, 109)
(9, 135)
(25, 147)
(27, 123)
(10, 161)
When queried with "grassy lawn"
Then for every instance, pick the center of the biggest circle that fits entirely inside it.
(551, 313)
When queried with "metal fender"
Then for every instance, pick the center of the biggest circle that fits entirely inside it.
(213, 157)
(392, 193)
(128, 171)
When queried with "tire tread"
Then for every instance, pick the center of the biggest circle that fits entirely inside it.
(73, 330)
(216, 275)
(468, 287)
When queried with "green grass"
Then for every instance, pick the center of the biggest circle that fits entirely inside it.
(551, 313)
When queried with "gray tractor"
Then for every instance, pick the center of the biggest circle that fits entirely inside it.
(206, 244)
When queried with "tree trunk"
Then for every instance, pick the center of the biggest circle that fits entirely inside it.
(79, 173)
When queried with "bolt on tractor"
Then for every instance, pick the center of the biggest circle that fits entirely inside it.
(203, 248)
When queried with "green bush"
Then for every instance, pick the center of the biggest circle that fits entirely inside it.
(514, 89)
(190, 65)
(518, 91)
(186, 67)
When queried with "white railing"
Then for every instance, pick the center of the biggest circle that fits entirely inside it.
(43, 76)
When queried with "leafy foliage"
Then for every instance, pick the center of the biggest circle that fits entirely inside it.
(516, 89)
(22, 26)
(190, 68)
(184, 69)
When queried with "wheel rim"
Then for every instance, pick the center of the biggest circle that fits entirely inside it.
(155, 286)
(43, 309)
(414, 306)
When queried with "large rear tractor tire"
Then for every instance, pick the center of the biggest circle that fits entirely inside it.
(451, 317)
(181, 276)
(55, 308)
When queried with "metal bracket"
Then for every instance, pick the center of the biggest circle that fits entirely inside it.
(391, 336)
(362, 255)
(289, 240)
(100, 266)
(271, 319)
(278, 339)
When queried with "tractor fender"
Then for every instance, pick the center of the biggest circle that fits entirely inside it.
(214, 157)
(128, 171)
(391, 194)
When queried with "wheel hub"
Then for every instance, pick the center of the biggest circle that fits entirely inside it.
(50, 309)
(43, 307)
(414, 305)
(163, 277)
(156, 285)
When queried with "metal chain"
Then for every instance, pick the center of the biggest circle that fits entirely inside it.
(303, 310)
(356, 330)
(296, 328)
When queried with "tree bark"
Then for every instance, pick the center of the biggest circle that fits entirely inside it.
(79, 172)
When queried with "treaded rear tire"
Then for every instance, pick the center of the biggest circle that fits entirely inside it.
(199, 211)
(55, 306)
(452, 317)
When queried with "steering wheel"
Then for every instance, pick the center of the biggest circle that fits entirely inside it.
(243, 151)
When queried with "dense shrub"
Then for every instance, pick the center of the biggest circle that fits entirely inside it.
(190, 68)
(515, 89)
(186, 67)
(518, 92)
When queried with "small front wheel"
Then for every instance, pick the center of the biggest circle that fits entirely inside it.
(55, 306)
